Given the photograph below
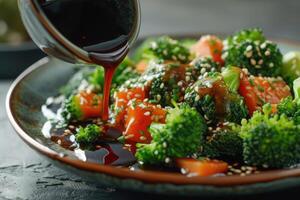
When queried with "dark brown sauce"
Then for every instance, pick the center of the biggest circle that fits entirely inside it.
(101, 28)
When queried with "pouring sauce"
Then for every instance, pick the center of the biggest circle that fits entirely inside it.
(103, 29)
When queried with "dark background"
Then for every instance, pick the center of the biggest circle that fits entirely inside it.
(25, 175)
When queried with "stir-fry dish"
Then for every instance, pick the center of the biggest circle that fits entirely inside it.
(201, 108)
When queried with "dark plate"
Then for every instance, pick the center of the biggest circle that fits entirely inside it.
(43, 79)
(14, 59)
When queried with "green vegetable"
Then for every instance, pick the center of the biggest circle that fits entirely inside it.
(270, 141)
(225, 144)
(296, 88)
(231, 76)
(291, 66)
(235, 108)
(88, 135)
(201, 66)
(251, 34)
(204, 104)
(182, 135)
(164, 48)
(71, 109)
(143, 52)
(125, 71)
(164, 84)
(249, 49)
(188, 43)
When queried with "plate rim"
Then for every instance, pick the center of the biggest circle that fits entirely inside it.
(146, 176)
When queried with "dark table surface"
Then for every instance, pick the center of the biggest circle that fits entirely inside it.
(26, 175)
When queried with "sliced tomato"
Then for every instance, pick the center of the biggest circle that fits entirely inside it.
(209, 46)
(258, 91)
(90, 104)
(122, 98)
(202, 167)
(139, 117)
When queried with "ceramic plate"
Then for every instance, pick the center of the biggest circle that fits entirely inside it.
(44, 78)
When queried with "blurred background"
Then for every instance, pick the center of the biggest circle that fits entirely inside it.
(277, 18)
(18, 179)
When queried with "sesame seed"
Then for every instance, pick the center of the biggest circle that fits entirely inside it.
(59, 142)
(143, 138)
(267, 53)
(203, 70)
(71, 127)
(179, 83)
(271, 65)
(260, 62)
(158, 97)
(129, 136)
(187, 78)
(257, 66)
(162, 85)
(197, 98)
(205, 117)
(209, 85)
(248, 54)
(165, 145)
(167, 160)
(249, 48)
(147, 113)
(253, 62)
(155, 152)
(68, 131)
(263, 45)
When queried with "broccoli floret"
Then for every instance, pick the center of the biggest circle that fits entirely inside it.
(71, 109)
(167, 48)
(291, 67)
(296, 88)
(225, 144)
(124, 72)
(181, 136)
(252, 34)
(164, 87)
(270, 141)
(291, 107)
(201, 66)
(252, 51)
(201, 96)
(143, 52)
(164, 48)
(205, 105)
(235, 108)
(88, 135)
(231, 76)
(188, 43)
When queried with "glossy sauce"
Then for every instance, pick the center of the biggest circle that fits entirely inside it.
(102, 28)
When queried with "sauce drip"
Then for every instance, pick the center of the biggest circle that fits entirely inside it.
(103, 29)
